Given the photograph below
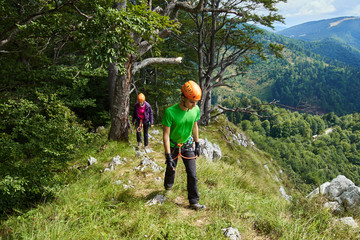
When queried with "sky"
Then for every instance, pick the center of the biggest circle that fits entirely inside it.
(301, 11)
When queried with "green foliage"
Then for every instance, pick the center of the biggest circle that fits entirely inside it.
(302, 78)
(161, 84)
(46, 129)
(315, 148)
(310, 217)
(54, 92)
(100, 36)
(331, 88)
(36, 138)
(49, 100)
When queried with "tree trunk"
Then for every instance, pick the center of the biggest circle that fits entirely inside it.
(113, 73)
(211, 56)
(120, 124)
(205, 107)
(157, 94)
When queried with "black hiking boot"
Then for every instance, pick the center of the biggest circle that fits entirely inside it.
(197, 206)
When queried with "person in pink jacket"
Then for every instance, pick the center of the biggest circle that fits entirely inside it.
(143, 119)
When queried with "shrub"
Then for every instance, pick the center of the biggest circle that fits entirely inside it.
(37, 139)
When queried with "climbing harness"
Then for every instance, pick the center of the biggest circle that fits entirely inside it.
(139, 129)
(189, 144)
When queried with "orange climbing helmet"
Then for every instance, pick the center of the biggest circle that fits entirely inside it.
(141, 97)
(191, 90)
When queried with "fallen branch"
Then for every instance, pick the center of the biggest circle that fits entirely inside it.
(149, 61)
(285, 106)
(249, 109)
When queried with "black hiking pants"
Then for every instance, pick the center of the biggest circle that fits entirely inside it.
(190, 166)
(145, 129)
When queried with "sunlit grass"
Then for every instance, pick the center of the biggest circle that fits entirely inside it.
(242, 195)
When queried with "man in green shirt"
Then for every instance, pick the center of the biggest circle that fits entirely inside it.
(180, 124)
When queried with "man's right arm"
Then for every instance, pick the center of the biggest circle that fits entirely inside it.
(166, 139)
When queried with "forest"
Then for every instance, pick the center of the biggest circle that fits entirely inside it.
(69, 67)
(312, 148)
(307, 76)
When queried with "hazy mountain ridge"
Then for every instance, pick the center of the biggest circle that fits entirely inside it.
(343, 29)
(322, 74)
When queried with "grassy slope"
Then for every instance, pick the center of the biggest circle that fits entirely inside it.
(237, 190)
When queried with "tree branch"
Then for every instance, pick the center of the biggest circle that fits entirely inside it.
(137, 66)
(249, 109)
(81, 13)
(233, 75)
(175, 6)
(13, 30)
(220, 83)
(293, 108)
(145, 46)
(224, 10)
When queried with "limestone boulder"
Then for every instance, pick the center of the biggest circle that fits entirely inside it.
(211, 151)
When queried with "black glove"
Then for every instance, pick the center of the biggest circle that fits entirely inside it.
(169, 161)
(197, 149)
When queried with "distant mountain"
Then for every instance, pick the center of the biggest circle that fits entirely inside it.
(278, 28)
(337, 39)
(320, 76)
(346, 30)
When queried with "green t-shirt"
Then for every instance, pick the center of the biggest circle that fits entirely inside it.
(180, 122)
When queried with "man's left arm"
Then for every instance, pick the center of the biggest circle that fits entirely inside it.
(195, 133)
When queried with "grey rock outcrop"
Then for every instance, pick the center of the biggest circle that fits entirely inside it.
(242, 140)
(125, 186)
(150, 137)
(338, 186)
(155, 132)
(341, 194)
(276, 179)
(211, 151)
(232, 233)
(118, 182)
(115, 162)
(92, 161)
(148, 163)
(284, 195)
(140, 154)
(267, 168)
(349, 221)
(318, 190)
(351, 197)
(100, 129)
(333, 206)
(158, 199)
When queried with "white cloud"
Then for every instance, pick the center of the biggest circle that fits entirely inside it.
(300, 11)
(355, 10)
(306, 7)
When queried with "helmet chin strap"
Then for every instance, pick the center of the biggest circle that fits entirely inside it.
(183, 103)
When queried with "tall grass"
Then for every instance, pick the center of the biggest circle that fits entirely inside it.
(244, 196)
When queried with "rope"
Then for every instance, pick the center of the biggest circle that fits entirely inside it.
(183, 157)
(139, 129)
